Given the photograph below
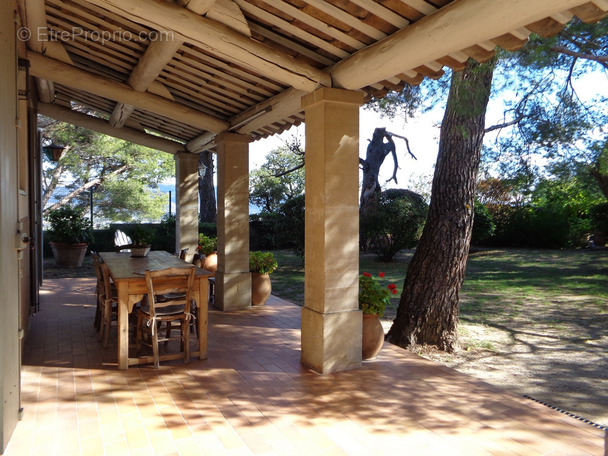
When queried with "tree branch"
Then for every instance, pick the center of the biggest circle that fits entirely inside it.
(281, 174)
(83, 188)
(505, 124)
(601, 59)
(407, 143)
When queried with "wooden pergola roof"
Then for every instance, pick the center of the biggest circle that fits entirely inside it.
(174, 74)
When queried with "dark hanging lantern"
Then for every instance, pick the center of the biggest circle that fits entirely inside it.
(53, 152)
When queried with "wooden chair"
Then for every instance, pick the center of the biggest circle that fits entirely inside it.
(175, 285)
(108, 302)
(99, 288)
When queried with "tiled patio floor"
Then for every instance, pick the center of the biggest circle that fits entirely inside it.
(252, 396)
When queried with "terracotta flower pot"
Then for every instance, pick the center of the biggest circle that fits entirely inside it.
(69, 255)
(372, 336)
(209, 262)
(260, 288)
(140, 251)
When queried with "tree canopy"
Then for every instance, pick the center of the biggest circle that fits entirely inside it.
(280, 178)
(125, 176)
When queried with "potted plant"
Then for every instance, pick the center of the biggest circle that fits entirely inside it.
(141, 241)
(261, 264)
(373, 299)
(69, 234)
(207, 248)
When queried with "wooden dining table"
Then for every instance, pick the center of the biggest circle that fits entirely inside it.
(128, 274)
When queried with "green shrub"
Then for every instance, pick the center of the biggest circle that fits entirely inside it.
(206, 244)
(69, 226)
(291, 224)
(395, 223)
(483, 224)
(262, 262)
(599, 217)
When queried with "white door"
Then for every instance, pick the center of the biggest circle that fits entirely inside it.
(9, 267)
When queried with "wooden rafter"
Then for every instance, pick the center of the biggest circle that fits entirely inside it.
(221, 40)
(101, 126)
(68, 75)
(450, 29)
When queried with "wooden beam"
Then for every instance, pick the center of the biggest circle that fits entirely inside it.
(120, 115)
(35, 17)
(276, 109)
(93, 123)
(200, 7)
(201, 143)
(152, 62)
(227, 12)
(457, 26)
(70, 76)
(221, 40)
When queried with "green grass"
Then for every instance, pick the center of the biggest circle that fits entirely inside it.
(288, 279)
(543, 286)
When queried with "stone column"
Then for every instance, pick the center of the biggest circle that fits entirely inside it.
(186, 177)
(331, 320)
(232, 278)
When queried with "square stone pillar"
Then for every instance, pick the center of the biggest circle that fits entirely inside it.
(186, 177)
(331, 319)
(232, 278)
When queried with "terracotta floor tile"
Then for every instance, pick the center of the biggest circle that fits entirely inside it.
(253, 397)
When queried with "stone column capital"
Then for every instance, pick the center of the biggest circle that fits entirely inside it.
(327, 94)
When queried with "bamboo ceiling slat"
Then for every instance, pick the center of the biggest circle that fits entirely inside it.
(348, 19)
(295, 48)
(193, 68)
(194, 53)
(286, 27)
(95, 15)
(383, 13)
(80, 31)
(323, 27)
(108, 64)
(178, 69)
(104, 15)
(421, 6)
(79, 95)
(202, 93)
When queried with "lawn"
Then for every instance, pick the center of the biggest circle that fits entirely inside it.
(499, 283)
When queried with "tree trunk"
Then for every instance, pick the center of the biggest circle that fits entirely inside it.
(206, 189)
(377, 150)
(602, 179)
(428, 309)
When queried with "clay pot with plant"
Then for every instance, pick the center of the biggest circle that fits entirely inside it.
(261, 265)
(69, 234)
(207, 248)
(141, 238)
(373, 299)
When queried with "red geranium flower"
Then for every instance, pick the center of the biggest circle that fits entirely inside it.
(381, 274)
(367, 274)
